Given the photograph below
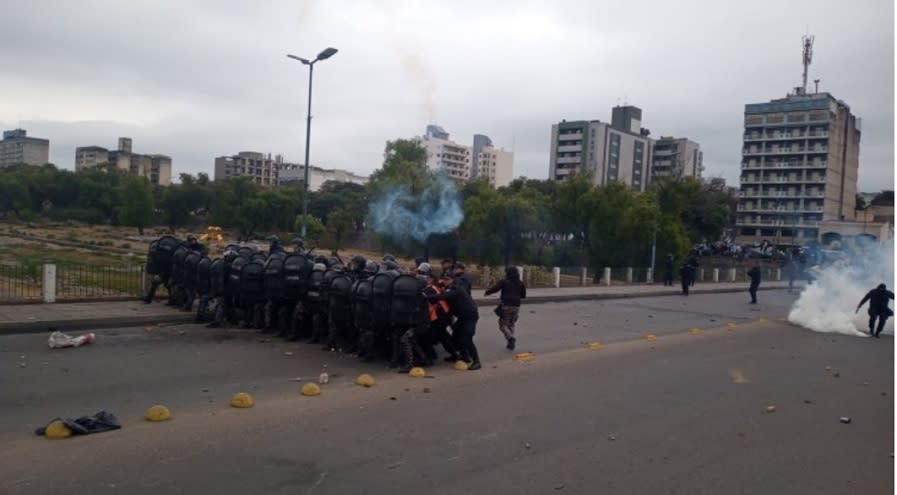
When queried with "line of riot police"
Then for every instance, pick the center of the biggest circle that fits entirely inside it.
(364, 307)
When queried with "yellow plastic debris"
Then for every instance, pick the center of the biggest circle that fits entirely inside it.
(594, 346)
(365, 380)
(158, 413)
(523, 356)
(311, 389)
(738, 377)
(417, 372)
(242, 400)
(828, 368)
(650, 336)
(461, 365)
(694, 331)
(57, 430)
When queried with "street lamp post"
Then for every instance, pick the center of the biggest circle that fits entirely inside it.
(324, 55)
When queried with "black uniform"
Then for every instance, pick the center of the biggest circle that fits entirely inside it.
(685, 274)
(878, 308)
(465, 310)
(693, 265)
(755, 275)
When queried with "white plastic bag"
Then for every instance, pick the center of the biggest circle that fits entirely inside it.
(58, 340)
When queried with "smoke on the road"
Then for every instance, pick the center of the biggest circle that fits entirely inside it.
(829, 304)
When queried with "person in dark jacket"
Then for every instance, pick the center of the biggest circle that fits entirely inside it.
(512, 292)
(755, 275)
(685, 274)
(461, 279)
(693, 264)
(668, 270)
(462, 307)
(878, 308)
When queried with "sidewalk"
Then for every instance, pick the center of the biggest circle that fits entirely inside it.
(37, 318)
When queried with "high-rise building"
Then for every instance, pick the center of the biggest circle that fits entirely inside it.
(261, 168)
(604, 152)
(17, 148)
(462, 162)
(156, 168)
(676, 157)
(799, 167)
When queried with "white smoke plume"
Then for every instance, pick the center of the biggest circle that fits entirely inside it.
(828, 304)
(401, 215)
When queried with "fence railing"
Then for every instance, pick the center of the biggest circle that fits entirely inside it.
(20, 283)
(51, 283)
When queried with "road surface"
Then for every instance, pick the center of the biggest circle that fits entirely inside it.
(685, 413)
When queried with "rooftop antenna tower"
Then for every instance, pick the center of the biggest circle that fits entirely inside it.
(816, 82)
(807, 58)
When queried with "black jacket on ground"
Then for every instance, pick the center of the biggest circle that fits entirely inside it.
(512, 291)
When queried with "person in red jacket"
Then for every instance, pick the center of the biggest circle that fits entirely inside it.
(512, 292)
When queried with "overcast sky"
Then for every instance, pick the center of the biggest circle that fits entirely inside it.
(200, 79)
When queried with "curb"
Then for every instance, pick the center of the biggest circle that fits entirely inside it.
(181, 318)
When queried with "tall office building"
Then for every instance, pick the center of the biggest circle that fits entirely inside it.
(259, 167)
(17, 148)
(799, 165)
(676, 157)
(616, 152)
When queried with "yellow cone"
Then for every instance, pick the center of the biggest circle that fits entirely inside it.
(594, 346)
(57, 430)
(523, 356)
(311, 389)
(650, 336)
(242, 400)
(417, 372)
(365, 380)
(158, 413)
(461, 365)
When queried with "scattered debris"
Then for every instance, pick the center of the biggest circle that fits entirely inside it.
(63, 428)
(836, 374)
(649, 336)
(148, 329)
(770, 409)
(393, 398)
(559, 487)
(741, 434)
(527, 445)
(393, 466)
(417, 372)
(288, 353)
(612, 438)
(324, 378)
(807, 401)
(242, 400)
(845, 419)
(426, 390)
(158, 413)
(365, 380)
(59, 340)
(594, 346)
(182, 332)
(884, 394)
(297, 379)
(828, 368)
(866, 384)
(22, 365)
(264, 341)
(205, 390)
(575, 323)
(310, 390)
(694, 331)
(523, 356)
(738, 376)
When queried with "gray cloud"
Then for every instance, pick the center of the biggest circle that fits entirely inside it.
(200, 79)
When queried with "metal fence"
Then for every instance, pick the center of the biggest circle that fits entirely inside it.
(20, 283)
(92, 282)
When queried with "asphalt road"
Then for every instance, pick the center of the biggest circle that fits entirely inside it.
(685, 413)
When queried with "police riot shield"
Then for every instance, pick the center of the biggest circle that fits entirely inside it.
(177, 264)
(296, 269)
(161, 255)
(204, 275)
(232, 285)
(274, 278)
(409, 307)
(381, 296)
(252, 281)
(191, 262)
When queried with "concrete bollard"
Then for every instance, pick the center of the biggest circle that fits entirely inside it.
(629, 275)
(485, 278)
(48, 288)
(778, 274)
(649, 278)
(606, 275)
(583, 276)
(716, 274)
(731, 274)
(701, 275)
(557, 277)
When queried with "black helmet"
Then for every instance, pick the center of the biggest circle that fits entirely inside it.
(390, 265)
(321, 259)
(358, 263)
(389, 257)
(882, 287)
(274, 238)
(333, 261)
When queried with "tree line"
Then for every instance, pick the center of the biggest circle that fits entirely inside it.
(544, 222)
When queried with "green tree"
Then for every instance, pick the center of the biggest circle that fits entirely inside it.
(884, 198)
(136, 199)
(404, 162)
(315, 229)
(339, 222)
(14, 195)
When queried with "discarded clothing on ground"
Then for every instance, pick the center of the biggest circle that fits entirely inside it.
(85, 425)
(58, 340)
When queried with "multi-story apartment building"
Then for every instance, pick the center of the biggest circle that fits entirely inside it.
(799, 167)
(292, 174)
(676, 157)
(258, 166)
(156, 168)
(616, 152)
(17, 148)
(462, 162)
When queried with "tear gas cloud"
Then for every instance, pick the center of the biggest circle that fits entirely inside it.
(401, 215)
(828, 304)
